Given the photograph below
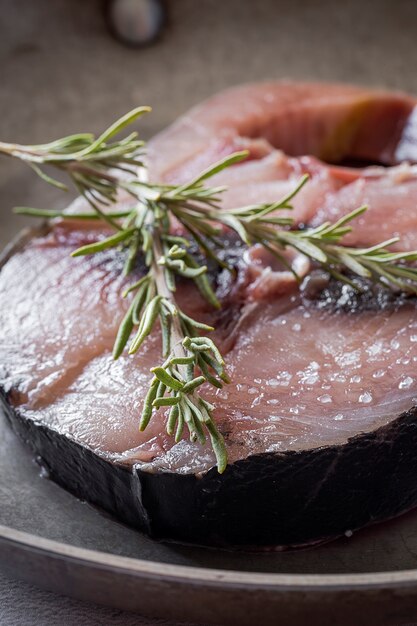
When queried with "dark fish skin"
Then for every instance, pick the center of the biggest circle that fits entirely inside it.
(268, 500)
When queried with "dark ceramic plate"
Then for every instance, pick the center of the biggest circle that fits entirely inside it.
(51, 539)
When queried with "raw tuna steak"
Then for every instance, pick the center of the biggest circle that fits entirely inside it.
(320, 418)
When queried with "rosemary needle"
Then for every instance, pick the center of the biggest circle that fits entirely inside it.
(99, 169)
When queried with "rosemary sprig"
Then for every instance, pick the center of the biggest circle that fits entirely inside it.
(89, 162)
(99, 169)
(262, 224)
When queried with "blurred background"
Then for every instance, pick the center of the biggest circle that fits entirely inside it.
(62, 69)
(71, 65)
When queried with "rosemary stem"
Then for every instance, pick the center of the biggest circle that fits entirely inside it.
(178, 350)
(14, 149)
(177, 334)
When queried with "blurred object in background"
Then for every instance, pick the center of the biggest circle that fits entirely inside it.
(136, 22)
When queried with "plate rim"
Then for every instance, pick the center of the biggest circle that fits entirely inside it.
(194, 575)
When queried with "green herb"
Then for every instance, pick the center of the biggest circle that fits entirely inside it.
(100, 168)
